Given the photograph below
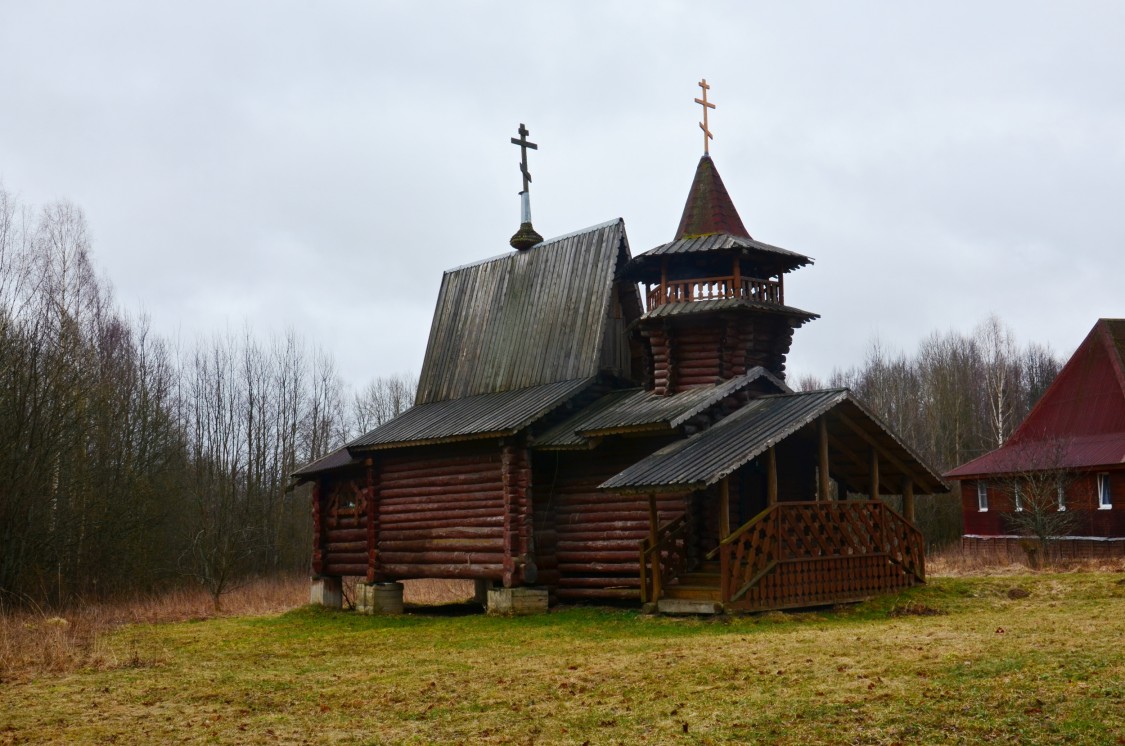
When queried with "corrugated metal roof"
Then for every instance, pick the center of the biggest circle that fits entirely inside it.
(1080, 419)
(636, 408)
(726, 304)
(524, 319)
(335, 460)
(706, 457)
(471, 416)
(647, 265)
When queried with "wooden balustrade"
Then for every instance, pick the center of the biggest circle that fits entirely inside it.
(715, 288)
(809, 553)
(663, 560)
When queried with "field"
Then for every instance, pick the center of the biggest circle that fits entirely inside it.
(1009, 658)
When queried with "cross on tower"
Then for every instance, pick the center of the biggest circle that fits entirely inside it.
(524, 144)
(702, 125)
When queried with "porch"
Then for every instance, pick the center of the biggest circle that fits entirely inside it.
(791, 555)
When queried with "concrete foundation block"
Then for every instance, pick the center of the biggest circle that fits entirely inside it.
(517, 601)
(379, 598)
(327, 591)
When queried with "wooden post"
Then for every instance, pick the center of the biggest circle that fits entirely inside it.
(724, 508)
(317, 531)
(663, 280)
(824, 491)
(771, 476)
(874, 474)
(737, 292)
(908, 500)
(653, 517)
(372, 527)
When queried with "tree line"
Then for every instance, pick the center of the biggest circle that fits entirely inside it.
(129, 461)
(958, 396)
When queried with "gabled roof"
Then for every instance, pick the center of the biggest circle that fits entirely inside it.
(523, 319)
(708, 456)
(638, 409)
(483, 415)
(1079, 422)
(709, 208)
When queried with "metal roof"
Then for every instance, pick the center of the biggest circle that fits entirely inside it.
(334, 460)
(727, 304)
(472, 416)
(638, 408)
(1079, 421)
(708, 456)
(646, 264)
(526, 318)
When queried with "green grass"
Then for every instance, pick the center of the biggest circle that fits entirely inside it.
(986, 668)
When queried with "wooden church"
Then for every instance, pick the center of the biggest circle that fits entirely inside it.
(597, 425)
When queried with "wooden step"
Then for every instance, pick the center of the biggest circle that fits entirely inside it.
(688, 606)
(701, 592)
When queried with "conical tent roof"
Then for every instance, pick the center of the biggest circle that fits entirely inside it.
(709, 209)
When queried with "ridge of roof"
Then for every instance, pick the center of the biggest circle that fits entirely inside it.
(542, 244)
(709, 208)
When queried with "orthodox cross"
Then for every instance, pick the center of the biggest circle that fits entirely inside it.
(524, 144)
(703, 125)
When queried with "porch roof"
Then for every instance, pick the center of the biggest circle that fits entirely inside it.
(637, 408)
(709, 456)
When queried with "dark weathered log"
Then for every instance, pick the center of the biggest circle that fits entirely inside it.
(338, 547)
(627, 541)
(460, 481)
(334, 535)
(576, 582)
(440, 511)
(623, 531)
(346, 558)
(489, 521)
(356, 570)
(494, 571)
(454, 557)
(595, 556)
(436, 495)
(460, 545)
(447, 532)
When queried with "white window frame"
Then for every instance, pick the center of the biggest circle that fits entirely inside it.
(1061, 492)
(982, 497)
(1105, 499)
(1017, 493)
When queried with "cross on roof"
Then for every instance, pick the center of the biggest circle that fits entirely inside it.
(703, 125)
(524, 144)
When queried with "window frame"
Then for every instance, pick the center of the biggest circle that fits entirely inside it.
(1060, 493)
(1105, 498)
(1017, 497)
(982, 496)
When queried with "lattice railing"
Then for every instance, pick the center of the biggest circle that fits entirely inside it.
(665, 560)
(715, 288)
(804, 553)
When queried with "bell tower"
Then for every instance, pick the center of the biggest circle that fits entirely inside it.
(714, 296)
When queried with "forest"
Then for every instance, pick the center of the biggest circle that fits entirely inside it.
(131, 462)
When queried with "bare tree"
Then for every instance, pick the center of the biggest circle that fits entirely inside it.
(1037, 481)
(381, 400)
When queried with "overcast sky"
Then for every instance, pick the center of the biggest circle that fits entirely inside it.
(317, 165)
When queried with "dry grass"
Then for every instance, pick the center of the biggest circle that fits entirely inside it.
(42, 641)
(953, 562)
(959, 661)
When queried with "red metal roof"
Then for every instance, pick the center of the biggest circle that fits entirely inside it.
(709, 208)
(1080, 420)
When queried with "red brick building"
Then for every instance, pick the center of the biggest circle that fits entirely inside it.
(1076, 435)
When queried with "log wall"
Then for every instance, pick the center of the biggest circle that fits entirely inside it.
(340, 521)
(587, 541)
(442, 512)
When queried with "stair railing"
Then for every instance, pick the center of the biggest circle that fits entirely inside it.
(664, 560)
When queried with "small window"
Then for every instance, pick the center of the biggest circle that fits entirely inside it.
(982, 497)
(1062, 497)
(1019, 498)
(1105, 500)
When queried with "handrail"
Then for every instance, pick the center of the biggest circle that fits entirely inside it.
(654, 553)
(714, 288)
